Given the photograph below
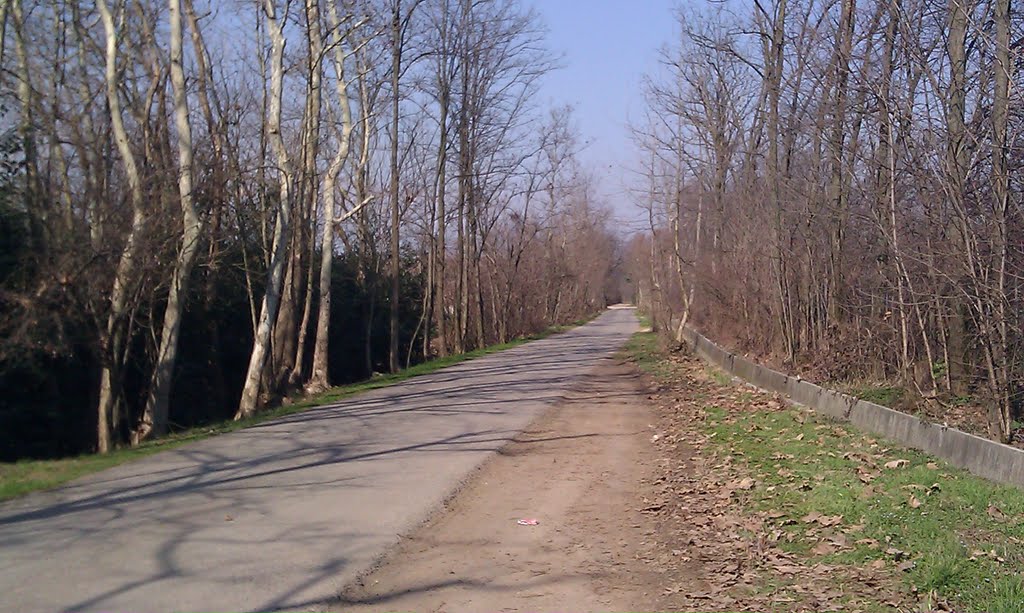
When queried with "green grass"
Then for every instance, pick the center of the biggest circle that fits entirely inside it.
(935, 514)
(645, 321)
(645, 349)
(937, 519)
(22, 477)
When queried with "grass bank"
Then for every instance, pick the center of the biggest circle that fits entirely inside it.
(22, 477)
(841, 497)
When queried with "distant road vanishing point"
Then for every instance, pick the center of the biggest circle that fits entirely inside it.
(284, 514)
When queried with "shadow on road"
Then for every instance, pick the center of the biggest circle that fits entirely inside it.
(286, 509)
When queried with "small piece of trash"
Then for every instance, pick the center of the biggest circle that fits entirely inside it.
(528, 522)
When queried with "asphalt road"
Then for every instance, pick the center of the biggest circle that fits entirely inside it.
(283, 515)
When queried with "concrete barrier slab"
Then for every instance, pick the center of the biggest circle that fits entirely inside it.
(980, 456)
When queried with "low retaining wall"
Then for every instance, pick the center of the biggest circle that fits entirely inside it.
(980, 456)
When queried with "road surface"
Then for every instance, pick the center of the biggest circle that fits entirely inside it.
(286, 514)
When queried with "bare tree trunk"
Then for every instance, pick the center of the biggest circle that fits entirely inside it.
(319, 380)
(427, 308)
(440, 258)
(112, 336)
(282, 228)
(284, 330)
(396, 68)
(36, 204)
(91, 164)
(477, 248)
(837, 195)
(773, 44)
(997, 330)
(298, 361)
(154, 416)
(956, 161)
(367, 256)
(309, 175)
(4, 8)
(462, 293)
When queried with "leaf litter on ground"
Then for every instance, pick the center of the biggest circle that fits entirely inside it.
(763, 507)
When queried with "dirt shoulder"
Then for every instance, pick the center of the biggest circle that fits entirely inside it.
(576, 471)
(775, 508)
(677, 489)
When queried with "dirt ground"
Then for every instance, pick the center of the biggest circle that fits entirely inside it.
(578, 471)
(635, 513)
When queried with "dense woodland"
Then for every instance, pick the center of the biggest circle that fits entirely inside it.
(209, 205)
(836, 185)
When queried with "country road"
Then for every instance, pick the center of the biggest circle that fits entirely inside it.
(286, 514)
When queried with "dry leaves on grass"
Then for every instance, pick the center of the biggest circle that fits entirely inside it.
(724, 556)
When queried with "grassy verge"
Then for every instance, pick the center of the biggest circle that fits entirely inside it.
(19, 478)
(845, 498)
(953, 537)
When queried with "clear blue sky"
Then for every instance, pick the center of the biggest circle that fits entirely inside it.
(608, 46)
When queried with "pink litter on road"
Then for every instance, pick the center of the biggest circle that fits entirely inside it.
(528, 522)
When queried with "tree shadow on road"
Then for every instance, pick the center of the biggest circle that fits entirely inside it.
(226, 511)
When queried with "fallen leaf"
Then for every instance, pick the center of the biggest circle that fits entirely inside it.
(865, 476)
(788, 569)
(823, 549)
(827, 521)
(995, 513)
(897, 463)
(914, 502)
(746, 484)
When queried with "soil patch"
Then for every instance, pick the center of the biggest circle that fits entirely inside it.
(576, 471)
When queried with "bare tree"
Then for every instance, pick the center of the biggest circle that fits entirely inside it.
(114, 334)
(319, 379)
(154, 417)
(282, 227)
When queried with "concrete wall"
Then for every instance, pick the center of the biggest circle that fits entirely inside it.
(980, 456)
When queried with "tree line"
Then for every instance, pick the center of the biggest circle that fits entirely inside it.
(207, 207)
(836, 183)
